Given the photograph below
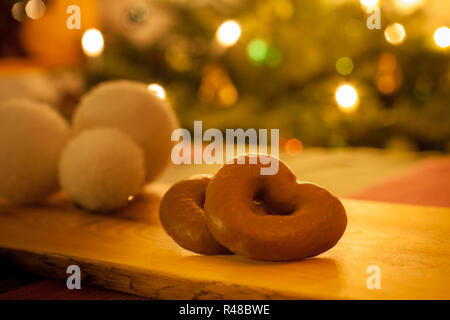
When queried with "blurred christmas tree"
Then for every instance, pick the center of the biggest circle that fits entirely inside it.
(279, 64)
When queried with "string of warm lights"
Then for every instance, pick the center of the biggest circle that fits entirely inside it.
(260, 51)
(388, 78)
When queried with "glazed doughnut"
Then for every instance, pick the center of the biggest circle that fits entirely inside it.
(271, 217)
(183, 217)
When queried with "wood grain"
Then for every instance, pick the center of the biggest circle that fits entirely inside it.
(129, 251)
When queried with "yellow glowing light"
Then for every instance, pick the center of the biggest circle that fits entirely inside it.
(228, 33)
(408, 1)
(407, 6)
(157, 90)
(369, 3)
(347, 98)
(92, 42)
(35, 9)
(395, 33)
(442, 37)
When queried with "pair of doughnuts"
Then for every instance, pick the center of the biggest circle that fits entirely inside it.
(264, 217)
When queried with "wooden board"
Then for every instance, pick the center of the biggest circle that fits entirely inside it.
(129, 251)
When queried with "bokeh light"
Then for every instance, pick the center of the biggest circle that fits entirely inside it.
(228, 94)
(218, 87)
(257, 50)
(407, 6)
(158, 90)
(442, 37)
(18, 11)
(35, 9)
(395, 33)
(92, 42)
(386, 83)
(344, 65)
(347, 98)
(389, 76)
(369, 3)
(293, 146)
(228, 33)
(388, 62)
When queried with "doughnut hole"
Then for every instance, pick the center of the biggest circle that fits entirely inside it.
(263, 205)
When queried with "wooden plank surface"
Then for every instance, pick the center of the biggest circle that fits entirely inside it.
(330, 168)
(129, 251)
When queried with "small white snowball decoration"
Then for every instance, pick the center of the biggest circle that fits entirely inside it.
(101, 168)
(134, 109)
(32, 136)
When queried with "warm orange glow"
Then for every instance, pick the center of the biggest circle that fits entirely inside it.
(217, 86)
(389, 76)
(228, 94)
(386, 84)
(293, 146)
(387, 62)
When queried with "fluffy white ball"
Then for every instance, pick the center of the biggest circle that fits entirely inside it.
(32, 136)
(101, 168)
(132, 108)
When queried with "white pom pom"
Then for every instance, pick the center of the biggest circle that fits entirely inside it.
(101, 168)
(131, 107)
(32, 136)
